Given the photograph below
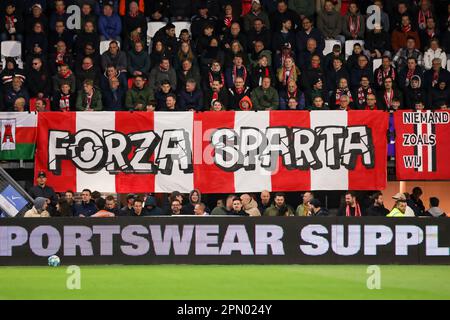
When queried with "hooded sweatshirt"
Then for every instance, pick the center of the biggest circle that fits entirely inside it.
(435, 212)
(189, 208)
(252, 208)
(246, 99)
(154, 210)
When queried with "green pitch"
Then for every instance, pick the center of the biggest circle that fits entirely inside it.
(226, 282)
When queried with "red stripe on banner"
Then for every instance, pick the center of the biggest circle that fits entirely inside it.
(406, 154)
(26, 135)
(362, 178)
(63, 121)
(126, 123)
(208, 177)
(285, 179)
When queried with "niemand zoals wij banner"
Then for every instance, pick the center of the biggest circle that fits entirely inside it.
(422, 145)
(216, 152)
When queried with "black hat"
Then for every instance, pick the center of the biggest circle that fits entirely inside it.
(316, 81)
(41, 174)
(315, 202)
(131, 196)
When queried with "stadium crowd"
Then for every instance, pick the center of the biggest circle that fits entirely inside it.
(237, 55)
(47, 203)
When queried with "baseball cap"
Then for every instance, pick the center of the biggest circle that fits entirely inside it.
(41, 174)
(36, 5)
(399, 197)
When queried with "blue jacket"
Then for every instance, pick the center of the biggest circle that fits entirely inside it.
(86, 209)
(110, 27)
(193, 100)
(113, 102)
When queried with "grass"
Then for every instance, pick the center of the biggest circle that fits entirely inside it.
(226, 282)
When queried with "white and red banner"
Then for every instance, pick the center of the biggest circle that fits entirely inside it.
(422, 145)
(215, 152)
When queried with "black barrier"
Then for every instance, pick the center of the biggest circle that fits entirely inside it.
(225, 240)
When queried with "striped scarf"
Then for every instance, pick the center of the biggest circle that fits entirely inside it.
(357, 211)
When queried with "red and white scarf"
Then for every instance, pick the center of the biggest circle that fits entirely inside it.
(383, 74)
(343, 92)
(216, 76)
(406, 29)
(362, 95)
(422, 19)
(64, 102)
(66, 75)
(354, 26)
(89, 100)
(287, 75)
(388, 97)
(357, 211)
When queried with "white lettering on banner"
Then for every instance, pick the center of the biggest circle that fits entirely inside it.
(219, 240)
(37, 236)
(318, 245)
(10, 237)
(297, 146)
(425, 117)
(374, 236)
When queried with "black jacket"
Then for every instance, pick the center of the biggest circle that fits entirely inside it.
(377, 211)
(323, 212)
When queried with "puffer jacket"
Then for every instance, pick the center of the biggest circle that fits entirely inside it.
(34, 213)
(252, 208)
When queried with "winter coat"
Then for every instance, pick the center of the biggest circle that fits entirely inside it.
(265, 99)
(138, 96)
(346, 26)
(86, 209)
(119, 60)
(430, 55)
(274, 211)
(252, 208)
(302, 38)
(110, 27)
(191, 100)
(34, 213)
(329, 23)
(151, 207)
(157, 76)
(114, 101)
(38, 81)
(138, 61)
(399, 39)
(96, 103)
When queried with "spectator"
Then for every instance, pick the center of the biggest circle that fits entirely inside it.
(261, 70)
(257, 52)
(436, 74)
(282, 14)
(111, 205)
(201, 19)
(16, 91)
(434, 52)
(406, 74)
(162, 72)
(167, 36)
(378, 42)
(237, 93)
(382, 72)
(151, 208)
(185, 52)
(238, 209)
(116, 57)
(246, 104)
(180, 10)
(171, 103)
(363, 69)
(424, 12)
(371, 103)
(329, 58)
(139, 95)
(89, 98)
(429, 33)
(316, 91)
(400, 206)
(138, 208)
(88, 14)
(112, 72)
(86, 207)
(279, 207)
(157, 10)
(221, 209)
(377, 208)
(387, 96)
(199, 210)
(134, 25)
(217, 92)
(316, 209)
(284, 36)
(265, 97)
(351, 207)
(175, 208)
(439, 95)
(87, 71)
(354, 24)
(414, 92)
(59, 14)
(335, 75)
(39, 209)
(400, 35)
(64, 99)
(318, 104)
(234, 34)
(113, 97)
(127, 210)
(286, 73)
(410, 51)
(418, 205)
(210, 54)
(303, 209)
(163, 92)
(36, 42)
(39, 83)
(342, 90)
(362, 93)
(87, 36)
(256, 12)
(188, 71)
(41, 189)
(250, 206)
(307, 33)
(138, 61)
(434, 210)
(35, 15)
(259, 32)
(329, 22)
(191, 98)
(195, 197)
(12, 25)
(264, 201)
(63, 208)
(109, 24)
(292, 92)
(304, 8)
